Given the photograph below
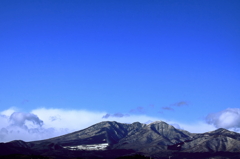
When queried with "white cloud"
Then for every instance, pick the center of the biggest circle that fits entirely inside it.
(196, 127)
(71, 119)
(4, 120)
(44, 123)
(8, 112)
(21, 119)
(228, 118)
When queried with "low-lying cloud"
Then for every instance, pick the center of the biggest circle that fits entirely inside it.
(46, 123)
(71, 119)
(228, 119)
(19, 119)
(43, 123)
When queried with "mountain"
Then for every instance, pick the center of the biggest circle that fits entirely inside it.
(153, 137)
(218, 140)
(112, 139)
(103, 132)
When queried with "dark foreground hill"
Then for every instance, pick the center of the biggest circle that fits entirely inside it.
(114, 140)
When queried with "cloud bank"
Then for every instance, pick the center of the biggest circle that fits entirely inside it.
(46, 123)
(228, 119)
(20, 119)
(43, 123)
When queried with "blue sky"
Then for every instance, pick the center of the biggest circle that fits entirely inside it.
(177, 61)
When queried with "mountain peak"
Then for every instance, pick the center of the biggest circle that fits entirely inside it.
(220, 130)
(156, 122)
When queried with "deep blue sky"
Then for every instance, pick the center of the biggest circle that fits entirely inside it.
(117, 55)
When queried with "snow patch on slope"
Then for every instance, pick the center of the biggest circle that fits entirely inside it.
(102, 146)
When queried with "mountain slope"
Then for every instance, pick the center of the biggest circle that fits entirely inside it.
(218, 140)
(153, 137)
(103, 132)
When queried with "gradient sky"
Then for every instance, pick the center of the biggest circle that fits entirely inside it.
(168, 60)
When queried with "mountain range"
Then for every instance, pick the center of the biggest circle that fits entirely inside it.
(110, 139)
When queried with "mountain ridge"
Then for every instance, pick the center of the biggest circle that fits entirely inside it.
(148, 139)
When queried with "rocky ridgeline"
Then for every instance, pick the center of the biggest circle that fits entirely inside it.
(148, 139)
